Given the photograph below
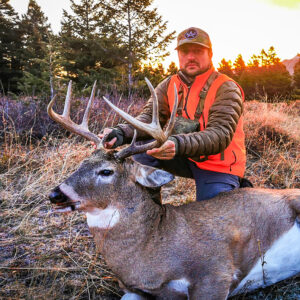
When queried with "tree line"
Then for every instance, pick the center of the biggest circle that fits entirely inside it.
(104, 40)
(110, 41)
(264, 77)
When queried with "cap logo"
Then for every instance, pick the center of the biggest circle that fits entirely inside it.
(191, 34)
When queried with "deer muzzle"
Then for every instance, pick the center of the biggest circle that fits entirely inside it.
(62, 201)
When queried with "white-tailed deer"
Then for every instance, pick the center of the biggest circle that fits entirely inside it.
(235, 242)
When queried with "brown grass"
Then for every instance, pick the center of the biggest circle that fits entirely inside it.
(273, 144)
(49, 256)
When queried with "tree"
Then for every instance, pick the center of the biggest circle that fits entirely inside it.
(155, 74)
(89, 47)
(296, 75)
(268, 58)
(36, 32)
(273, 59)
(239, 67)
(276, 81)
(10, 37)
(172, 69)
(254, 61)
(264, 58)
(36, 35)
(225, 67)
(141, 31)
(266, 77)
(48, 80)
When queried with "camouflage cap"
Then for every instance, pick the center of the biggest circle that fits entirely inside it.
(193, 35)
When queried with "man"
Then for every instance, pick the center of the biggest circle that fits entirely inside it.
(208, 139)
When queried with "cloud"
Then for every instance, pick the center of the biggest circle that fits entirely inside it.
(285, 3)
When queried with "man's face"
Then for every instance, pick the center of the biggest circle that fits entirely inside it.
(194, 59)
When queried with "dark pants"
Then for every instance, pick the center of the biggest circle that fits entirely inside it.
(208, 183)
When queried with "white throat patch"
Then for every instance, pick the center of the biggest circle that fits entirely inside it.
(103, 218)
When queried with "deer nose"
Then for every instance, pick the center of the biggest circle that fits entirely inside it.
(57, 196)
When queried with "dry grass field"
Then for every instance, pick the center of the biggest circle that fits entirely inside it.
(49, 256)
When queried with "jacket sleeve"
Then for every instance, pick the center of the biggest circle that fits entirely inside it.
(223, 117)
(146, 115)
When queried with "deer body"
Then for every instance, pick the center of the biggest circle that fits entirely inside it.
(243, 239)
(203, 249)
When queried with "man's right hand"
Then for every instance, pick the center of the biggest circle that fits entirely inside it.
(112, 137)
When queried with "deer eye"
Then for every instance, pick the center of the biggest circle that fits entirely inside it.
(106, 172)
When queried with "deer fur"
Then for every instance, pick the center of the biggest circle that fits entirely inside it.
(201, 250)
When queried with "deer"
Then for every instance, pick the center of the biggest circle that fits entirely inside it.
(213, 249)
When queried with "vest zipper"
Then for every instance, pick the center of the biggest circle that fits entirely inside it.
(186, 100)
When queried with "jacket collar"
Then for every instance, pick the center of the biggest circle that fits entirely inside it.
(186, 80)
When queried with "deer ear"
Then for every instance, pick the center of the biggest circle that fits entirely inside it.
(148, 176)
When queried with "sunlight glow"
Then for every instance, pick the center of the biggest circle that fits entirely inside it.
(235, 26)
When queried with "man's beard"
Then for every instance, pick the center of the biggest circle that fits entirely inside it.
(192, 74)
(195, 73)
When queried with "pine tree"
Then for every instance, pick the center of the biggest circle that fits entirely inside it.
(48, 80)
(10, 37)
(239, 67)
(226, 67)
(268, 58)
(296, 79)
(249, 81)
(254, 61)
(264, 58)
(266, 77)
(36, 32)
(154, 74)
(89, 49)
(276, 81)
(36, 35)
(273, 59)
(296, 75)
(172, 69)
(141, 31)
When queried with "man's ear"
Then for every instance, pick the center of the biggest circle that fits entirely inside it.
(148, 176)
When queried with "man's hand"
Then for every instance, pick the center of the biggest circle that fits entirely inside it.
(165, 152)
(110, 143)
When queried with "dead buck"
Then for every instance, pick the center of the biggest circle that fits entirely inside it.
(236, 242)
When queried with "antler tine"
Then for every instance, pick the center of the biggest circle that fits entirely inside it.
(67, 106)
(155, 112)
(134, 149)
(148, 128)
(67, 123)
(154, 128)
(86, 116)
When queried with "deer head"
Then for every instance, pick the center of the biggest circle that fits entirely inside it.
(108, 178)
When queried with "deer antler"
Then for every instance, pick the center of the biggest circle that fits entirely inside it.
(67, 123)
(153, 129)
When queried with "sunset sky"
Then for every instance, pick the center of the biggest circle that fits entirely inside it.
(235, 26)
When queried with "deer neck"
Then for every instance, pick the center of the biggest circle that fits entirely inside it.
(131, 223)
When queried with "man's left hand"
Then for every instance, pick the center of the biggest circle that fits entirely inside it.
(164, 152)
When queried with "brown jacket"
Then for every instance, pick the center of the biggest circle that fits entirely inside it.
(223, 117)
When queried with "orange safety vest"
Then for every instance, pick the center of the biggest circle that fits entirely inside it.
(233, 159)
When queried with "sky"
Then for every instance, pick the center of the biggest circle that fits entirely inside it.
(235, 26)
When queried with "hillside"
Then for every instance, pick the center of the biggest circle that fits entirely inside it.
(290, 63)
